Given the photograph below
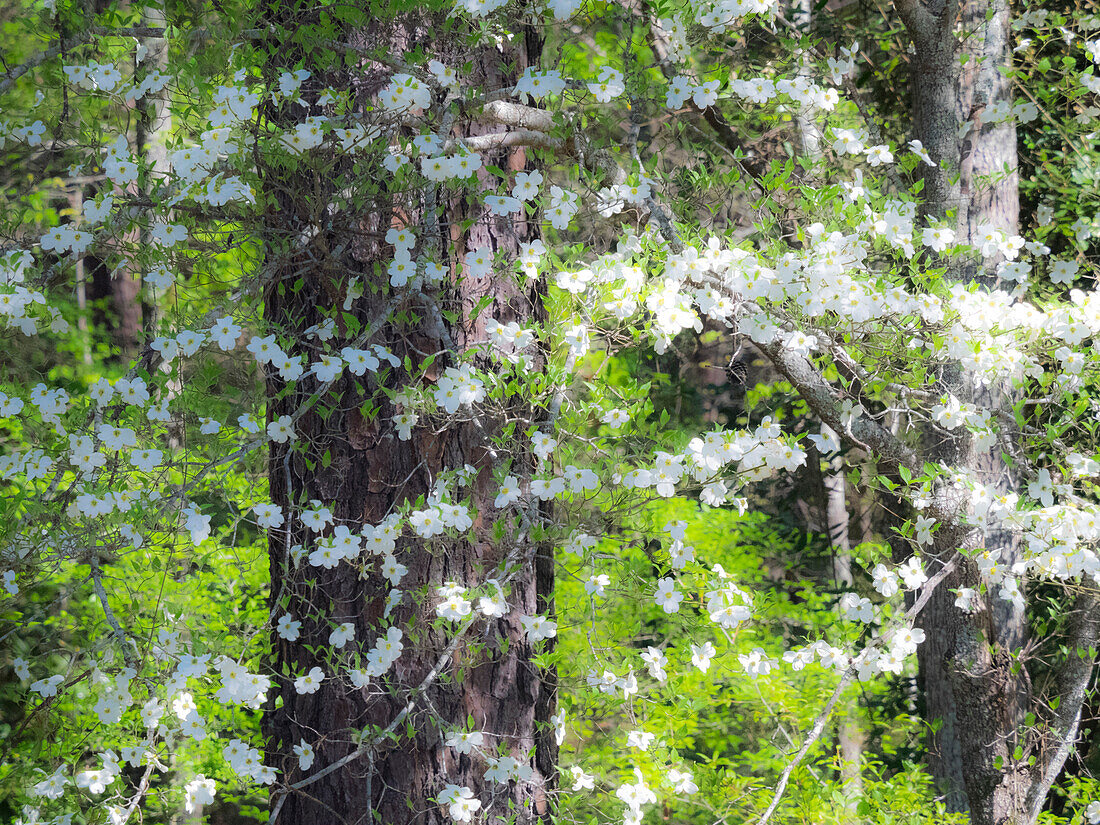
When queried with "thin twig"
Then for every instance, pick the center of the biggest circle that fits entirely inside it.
(120, 634)
(845, 680)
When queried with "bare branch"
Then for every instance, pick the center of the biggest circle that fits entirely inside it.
(845, 680)
(139, 794)
(823, 400)
(518, 116)
(503, 140)
(1073, 682)
(38, 59)
(120, 635)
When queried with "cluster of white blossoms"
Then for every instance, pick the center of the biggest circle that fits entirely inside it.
(611, 683)
(458, 387)
(504, 769)
(97, 781)
(455, 606)
(719, 16)
(327, 367)
(342, 545)
(635, 795)
(561, 207)
(67, 238)
(31, 134)
(608, 85)
(309, 134)
(372, 664)
(800, 90)
(406, 92)
(510, 340)
(458, 166)
(119, 164)
(539, 84)
(232, 104)
(94, 76)
(106, 77)
(403, 269)
(720, 283)
(239, 686)
(612, 200)
(198, 792)
(728, 606)
(952, 414)
(246, 762)
(460, 801)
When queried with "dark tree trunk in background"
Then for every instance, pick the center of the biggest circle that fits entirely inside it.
(349, 457)
(120, 291)
(127, 318)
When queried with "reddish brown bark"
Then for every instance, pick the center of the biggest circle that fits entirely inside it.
(353, 461)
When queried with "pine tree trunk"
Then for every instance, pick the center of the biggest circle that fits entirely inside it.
(348, 456)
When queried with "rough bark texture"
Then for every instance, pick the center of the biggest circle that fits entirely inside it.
(972, 692)
(352, 460)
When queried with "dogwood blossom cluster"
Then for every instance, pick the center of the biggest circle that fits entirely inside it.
(509, 340)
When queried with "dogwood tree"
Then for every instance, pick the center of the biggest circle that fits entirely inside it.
(393, 259)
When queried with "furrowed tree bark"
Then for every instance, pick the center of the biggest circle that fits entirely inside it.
(976, 692)
(348, 456)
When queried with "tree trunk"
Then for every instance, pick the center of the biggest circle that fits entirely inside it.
(348, 456)
(850, 733)
(154, 127)
(129, 319)
(973, 694)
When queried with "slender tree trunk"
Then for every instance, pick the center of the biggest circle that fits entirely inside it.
(850, 733)
(153, 128)
(125, 293)
(348, 456)
(809, 126)
(76, 203)
(153, 122)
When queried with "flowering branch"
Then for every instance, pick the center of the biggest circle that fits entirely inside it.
(72, 42)
(845, 680)
(119, 633)
(367, 747)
